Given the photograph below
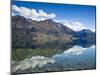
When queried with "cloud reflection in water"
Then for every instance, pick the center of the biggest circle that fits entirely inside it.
(32, 62)
(75, 50)
(40, 61)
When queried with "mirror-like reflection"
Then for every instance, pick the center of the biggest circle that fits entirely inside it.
(56, 56)
(32, 62)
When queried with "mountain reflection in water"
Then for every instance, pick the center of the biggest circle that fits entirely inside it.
(55, 56)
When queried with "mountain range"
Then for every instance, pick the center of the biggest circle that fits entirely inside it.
(27, 32)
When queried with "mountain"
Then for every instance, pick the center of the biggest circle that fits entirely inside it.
(86, 37)
(26, 33)
(47, 26)
(85, 34)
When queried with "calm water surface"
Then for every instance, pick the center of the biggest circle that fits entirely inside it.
(62, 57)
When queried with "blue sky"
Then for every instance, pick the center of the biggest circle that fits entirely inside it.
(83, 15)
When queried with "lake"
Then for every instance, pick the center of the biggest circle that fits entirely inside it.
(54, 57)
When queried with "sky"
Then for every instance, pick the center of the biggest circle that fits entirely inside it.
(76, 17)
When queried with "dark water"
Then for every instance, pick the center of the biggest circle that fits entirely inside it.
(57, 56)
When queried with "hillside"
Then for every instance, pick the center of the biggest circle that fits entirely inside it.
(27, 32)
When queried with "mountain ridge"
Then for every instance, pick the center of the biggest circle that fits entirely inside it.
(27, 32)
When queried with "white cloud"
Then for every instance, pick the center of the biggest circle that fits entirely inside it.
(24, 11)
(32, 13)
(15, 8)
(93, 30)
(42, 14)
(52, 15)
(75, 25)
